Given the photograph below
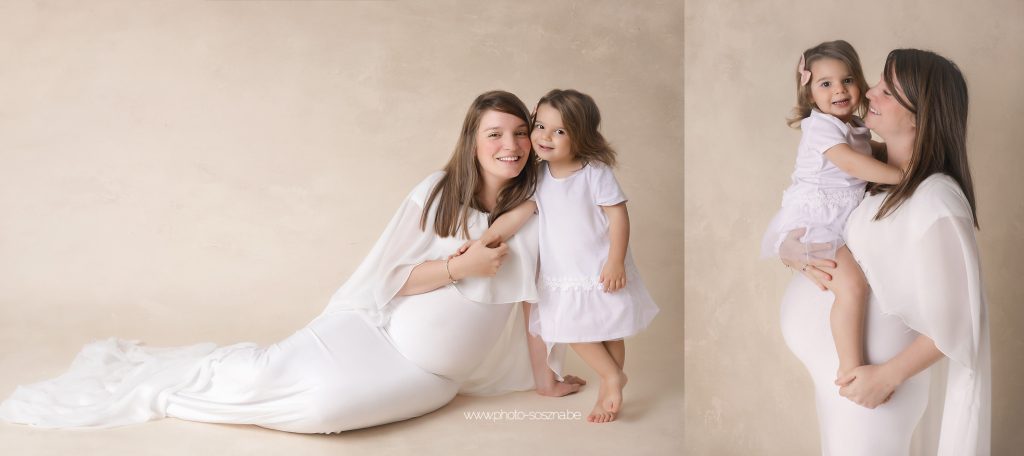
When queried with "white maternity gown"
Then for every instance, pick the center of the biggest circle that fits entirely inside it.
(922, 264)
(372, 357)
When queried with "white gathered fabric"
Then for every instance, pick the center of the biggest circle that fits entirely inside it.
(370, 358)
(821, 196)
(922, 264)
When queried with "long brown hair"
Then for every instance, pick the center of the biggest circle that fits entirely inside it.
(839, 50)
(456, 192)
(934, 90)
(581, 120)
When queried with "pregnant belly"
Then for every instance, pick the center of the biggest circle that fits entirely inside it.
(444, 333)
(807, 331)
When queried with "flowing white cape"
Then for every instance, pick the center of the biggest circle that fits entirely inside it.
(922, 264)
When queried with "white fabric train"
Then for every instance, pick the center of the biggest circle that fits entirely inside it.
(369, 358)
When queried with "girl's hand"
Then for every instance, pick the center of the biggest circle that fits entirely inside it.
(613, 276)
(488, 239)
(797, 255)
(462, 249)
(869, 385)
(478, 261)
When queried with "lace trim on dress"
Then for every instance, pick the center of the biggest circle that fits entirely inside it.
(579, 284)
(833, 199)
(564, 283)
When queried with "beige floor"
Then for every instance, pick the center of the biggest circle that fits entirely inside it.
(651, 422)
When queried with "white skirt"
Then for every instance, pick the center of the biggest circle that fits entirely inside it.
(579, 310)
(822, 213)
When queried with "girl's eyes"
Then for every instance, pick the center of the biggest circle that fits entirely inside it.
(559, 131)
(827, 84)
(887, 93)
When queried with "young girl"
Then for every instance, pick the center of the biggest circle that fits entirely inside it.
(833, 162)
(591, 295)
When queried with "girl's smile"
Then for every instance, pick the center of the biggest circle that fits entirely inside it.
(833, 89)
(550, 138)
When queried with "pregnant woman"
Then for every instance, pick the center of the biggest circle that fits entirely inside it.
(916, 244)
(402, 336)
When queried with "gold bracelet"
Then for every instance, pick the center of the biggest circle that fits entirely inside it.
(450, 278)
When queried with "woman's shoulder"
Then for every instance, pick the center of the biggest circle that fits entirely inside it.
(422, 190)
(940, 195)
(940, 186)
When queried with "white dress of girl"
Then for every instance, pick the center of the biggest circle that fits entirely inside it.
(574, 242)
(821, 196)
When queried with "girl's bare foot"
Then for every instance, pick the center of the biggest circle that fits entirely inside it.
(598, 414)
(612, 399)
(609, 399)
(569, 385)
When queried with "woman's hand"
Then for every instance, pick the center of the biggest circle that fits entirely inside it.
(613, 276)
(869, 385)
(797, 255)
(478, 260)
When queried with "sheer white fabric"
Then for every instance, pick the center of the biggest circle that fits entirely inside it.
(371, 288)
(346, 369)
(402, 246)
(922, 264)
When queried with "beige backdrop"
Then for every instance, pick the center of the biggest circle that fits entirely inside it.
(745, 392)
(180, 172)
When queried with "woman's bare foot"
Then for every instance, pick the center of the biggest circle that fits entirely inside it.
(570, 385)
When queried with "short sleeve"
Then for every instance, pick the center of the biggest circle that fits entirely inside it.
(604, 187)
(822, 132)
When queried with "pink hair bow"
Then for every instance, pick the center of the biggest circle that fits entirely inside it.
(805, 74)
